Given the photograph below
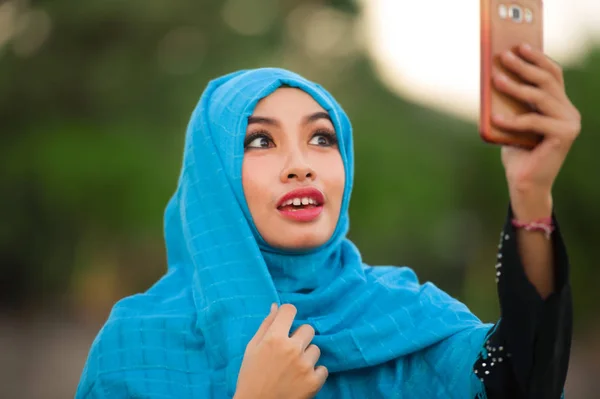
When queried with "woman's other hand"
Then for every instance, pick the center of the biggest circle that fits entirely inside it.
(531, 174)
(277, 365)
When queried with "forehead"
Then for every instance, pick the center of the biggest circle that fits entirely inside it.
(288, 100)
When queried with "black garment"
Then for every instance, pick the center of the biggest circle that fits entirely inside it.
(528, 353)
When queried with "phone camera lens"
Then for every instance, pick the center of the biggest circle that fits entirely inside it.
(516, 14)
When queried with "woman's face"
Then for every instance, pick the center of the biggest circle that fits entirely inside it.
(292, 174)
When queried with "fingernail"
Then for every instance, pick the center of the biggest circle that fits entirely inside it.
(510, 55)
(273, 307)
(526, 46)
(501, 77)
(498, 117)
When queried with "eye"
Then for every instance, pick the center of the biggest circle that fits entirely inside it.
(258, 140)
(323, 139)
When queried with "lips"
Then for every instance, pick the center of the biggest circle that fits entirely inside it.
(301, 205)
(306, 196)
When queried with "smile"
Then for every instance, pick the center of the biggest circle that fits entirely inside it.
(302, 205)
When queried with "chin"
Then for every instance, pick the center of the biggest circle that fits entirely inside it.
(300, 241)
(307, 243)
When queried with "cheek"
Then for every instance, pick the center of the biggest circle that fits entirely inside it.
(334, 177)
(249, 182)
(256, 182)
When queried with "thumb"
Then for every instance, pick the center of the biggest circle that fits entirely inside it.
(264, 326)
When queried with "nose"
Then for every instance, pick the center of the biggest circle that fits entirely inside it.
(298, 169)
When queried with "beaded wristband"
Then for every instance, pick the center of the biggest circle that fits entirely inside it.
(544, 224)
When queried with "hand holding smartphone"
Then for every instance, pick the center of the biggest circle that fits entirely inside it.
(505, 24)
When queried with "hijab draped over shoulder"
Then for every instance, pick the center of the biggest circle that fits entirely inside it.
(382, 334)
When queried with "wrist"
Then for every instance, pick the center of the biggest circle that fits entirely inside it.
(528, 206)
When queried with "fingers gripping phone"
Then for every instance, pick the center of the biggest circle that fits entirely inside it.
(505, 24)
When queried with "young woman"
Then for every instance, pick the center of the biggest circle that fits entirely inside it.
(265, 297)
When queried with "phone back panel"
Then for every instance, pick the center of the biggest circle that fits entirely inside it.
(505, 24)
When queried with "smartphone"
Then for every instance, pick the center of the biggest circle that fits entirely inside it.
(505, 24)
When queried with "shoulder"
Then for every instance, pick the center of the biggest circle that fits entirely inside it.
(403, 284)
(143, 332)
(400, 278)
(166, 306)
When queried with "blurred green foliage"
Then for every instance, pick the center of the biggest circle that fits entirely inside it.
(94, 102)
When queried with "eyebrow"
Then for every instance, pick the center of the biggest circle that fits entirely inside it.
(273, 122)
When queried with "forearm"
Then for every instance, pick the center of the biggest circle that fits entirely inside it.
(535, 249)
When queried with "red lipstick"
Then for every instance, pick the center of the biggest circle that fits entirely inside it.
(302, 205)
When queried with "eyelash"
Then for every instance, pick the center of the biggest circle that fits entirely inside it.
(333, 141)
(331, 137)
(255, 135)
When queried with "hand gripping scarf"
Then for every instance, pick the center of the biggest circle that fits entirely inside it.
(382, 334)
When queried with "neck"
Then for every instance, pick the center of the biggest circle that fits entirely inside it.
(303, 273)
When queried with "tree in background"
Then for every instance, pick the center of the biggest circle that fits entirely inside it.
(93, 107)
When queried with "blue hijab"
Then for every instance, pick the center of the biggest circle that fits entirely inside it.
(382, 334)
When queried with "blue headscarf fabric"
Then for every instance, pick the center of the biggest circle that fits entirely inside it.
(382, 334)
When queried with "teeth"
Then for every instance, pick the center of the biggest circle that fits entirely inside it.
(300, 201)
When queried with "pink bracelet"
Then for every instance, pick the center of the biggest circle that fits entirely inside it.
(544, 224)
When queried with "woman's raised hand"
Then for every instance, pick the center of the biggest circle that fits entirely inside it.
(277, 365)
